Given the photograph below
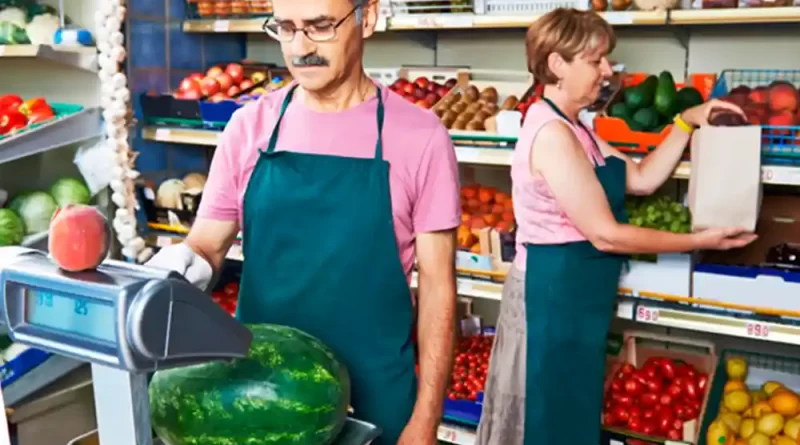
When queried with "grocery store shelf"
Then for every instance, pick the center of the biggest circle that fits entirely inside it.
(82, 57)
(181, 136)
(221, 26)
(472, 21)
(736, 15)
(81, 126)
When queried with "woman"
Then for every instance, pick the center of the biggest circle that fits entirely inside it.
(547, 368)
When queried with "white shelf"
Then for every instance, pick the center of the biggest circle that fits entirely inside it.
(456, 435)
(71, 129)
(81, 57)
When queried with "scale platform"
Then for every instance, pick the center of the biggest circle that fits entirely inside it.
(126, 320)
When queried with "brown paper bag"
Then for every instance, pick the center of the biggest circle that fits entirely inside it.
(725, 179)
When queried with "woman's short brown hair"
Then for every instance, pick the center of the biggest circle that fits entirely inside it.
(567, 32)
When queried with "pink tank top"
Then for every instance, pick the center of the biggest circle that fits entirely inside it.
(539, 218)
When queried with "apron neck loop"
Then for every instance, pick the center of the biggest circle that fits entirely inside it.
(273, 139)
(598, 158)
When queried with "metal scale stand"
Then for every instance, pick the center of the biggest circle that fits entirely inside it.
(127, 321)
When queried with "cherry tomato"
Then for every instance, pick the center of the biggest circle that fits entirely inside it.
(648, 413)
(622, 399)
(621, 413)
(231, 289)
(635, 424)
(665, 421)
(677, 424)
(617, 385)
(639, 376)
(635, 411)
(680, 411)
(691, 413)
(689, 389)
(651, 371)
(665, 399)
(627, 368)
(648, 399)
(675, 434)
(702, 382)
(655, 384)
(674, 390)
(649, 427)
(667, 368)
(633, 387)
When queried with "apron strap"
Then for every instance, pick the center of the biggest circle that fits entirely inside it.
(596, 153)
(273, 139)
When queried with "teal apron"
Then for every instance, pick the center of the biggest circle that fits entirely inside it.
(570, 294)
(320, 255)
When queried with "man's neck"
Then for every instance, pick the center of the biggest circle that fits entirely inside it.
(352, 91)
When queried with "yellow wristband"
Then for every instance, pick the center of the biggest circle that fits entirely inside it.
(682, 124)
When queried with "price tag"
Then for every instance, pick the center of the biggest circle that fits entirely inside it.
(425, 22)
(463, 287)
(767, 174)
(450, 435)
(2, 50)
(163, 134)
(454, 21)
(618, 17)
(646, 314)
(757, 330)
(222, 25)
(468, 155)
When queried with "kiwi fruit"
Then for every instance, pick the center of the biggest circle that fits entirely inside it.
(475, 125)
(489, 94)
(447, 121)
(458, 108)
(459, 125)
(466, 115)
(474, 107)
(472, 93)
(510, 103)
(439, 111)
(449, 115)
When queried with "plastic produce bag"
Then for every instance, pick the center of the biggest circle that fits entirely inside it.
(725, 180)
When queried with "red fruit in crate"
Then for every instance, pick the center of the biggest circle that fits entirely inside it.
(758, 95)
(233, 91)
(675, 434)
(432, 98)
(246, 84)
(236, 72)
(214, 71)
(225, 81)
(79, 238)
(209, 86)
(423, 103)
(409, 88)
(197, 77)
(188, 84)
(442, 91)
(782, 96)
(422, 82)
(450, 83)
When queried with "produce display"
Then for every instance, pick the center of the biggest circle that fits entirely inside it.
(652, 104)
(483, 207)
(526, 102)
(227, 297)
(170, 191)
(469, 108)
(16, 114)
(27, 23)
(656, 399)
(766, 415)
(79, 238)
(227, 8)
(35, 209)
(471, 367)
(422, 91)
(290, 389)
(225, 83)
(658, 212)
(775, 104)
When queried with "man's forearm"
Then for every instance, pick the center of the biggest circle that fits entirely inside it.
(435, 333)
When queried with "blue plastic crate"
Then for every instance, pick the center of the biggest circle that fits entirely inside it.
(780, 144)
(11, 371)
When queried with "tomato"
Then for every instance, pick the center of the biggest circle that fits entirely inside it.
(691, 413)
(40, 115)
(608, 419)
(680, 411)
(651, 371)
(10, 101)
(677, 424)
(667, 368)
(231, 289)
(635, 411)
(633, 387)
(635, 424)
(627, 368)
(689, 388)
(621, 413)
(665, 421)
(702, 382)
(648, 399)
(11, 120)
(649, 427)
(648, 413)
(674, 390)
(622, 399)
(665, 399)
(617, 385)
(655, 384)
(640, 376)
(675, 434)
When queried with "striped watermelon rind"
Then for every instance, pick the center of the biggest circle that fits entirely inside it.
(291, 389)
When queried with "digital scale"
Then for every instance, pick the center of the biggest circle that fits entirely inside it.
(126, 320)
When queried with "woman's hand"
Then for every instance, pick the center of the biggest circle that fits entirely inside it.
(699, 115)
(723, 238)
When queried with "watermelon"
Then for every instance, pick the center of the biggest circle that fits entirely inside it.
(290, 389)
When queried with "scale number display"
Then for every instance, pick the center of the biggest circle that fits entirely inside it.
(71, 314)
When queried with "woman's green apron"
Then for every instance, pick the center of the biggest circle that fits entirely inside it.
(570, 294)
(321, 255)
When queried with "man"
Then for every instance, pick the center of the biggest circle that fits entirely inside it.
(338, 186)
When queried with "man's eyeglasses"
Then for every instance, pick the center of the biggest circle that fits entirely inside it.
(317, 32)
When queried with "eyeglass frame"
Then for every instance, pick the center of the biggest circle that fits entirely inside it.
(265, 28)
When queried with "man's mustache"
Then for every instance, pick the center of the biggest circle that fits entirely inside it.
(309, 60)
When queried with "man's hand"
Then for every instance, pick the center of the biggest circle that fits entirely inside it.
(418, 432)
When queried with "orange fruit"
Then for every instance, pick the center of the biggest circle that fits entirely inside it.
(485, 195)
(469, 191)
(465, 217)
(508, 217)
(473, 205)
(491, 219)
(508, 204)
(785, 403)
(477, 222)
(500, 198)
(476, 248)
(733, 385)
(497, 209)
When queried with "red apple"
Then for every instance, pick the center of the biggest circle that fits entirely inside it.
(432, 87)
(422, 82)
(450, 84)
(191, 95)
(432, 98)
(209, 86)
(246, 84)
(219, 97)
(197, 77)
(233, 91)
(420, 93)
(442, 91)
(225, 81)
(187, 84)
(400, 83)
(423, 103)
(235, 71)
(214, 71)
(409, 88)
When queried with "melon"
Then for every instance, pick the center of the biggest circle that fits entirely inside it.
(290, 389)
(79, 238)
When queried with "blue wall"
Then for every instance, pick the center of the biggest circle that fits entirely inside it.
(160, 55)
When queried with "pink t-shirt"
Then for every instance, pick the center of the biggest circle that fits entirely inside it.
(423, 172)
(540, 220)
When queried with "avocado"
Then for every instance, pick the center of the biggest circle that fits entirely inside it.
(619, 110)
(641, 95)
(688, 97)
(646, 118)
(666, 96)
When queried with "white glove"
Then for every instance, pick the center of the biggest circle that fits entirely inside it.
(182, 259)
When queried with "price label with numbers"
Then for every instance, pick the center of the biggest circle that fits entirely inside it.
(451, 435)
(618, 17)
(757, 330)
(646, 314)
(767, 174)
(2, 50)
(468, 155)
(222, 25)
(163, 134)
(463, 287)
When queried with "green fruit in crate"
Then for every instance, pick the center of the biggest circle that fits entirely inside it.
(646, 118)
(619, 110)
(290, 389)
(689, 97)
(665, 101)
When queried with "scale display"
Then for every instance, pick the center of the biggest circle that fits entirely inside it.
(70, 314)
